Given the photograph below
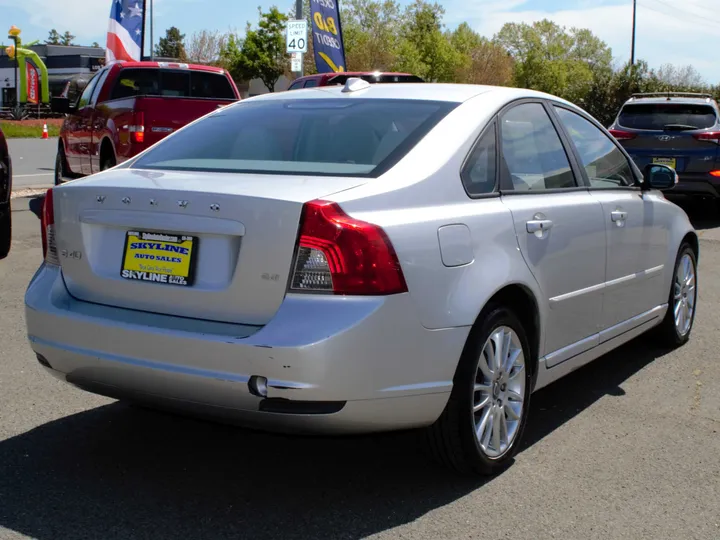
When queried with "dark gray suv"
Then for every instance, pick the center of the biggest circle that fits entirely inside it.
(681, 130)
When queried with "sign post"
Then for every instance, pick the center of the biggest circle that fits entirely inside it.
(297, 43)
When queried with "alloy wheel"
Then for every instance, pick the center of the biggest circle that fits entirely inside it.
(684, 295)
(499, 392)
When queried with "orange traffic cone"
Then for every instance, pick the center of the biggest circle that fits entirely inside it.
(45, 132)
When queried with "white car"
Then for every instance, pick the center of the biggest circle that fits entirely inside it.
(363, 258)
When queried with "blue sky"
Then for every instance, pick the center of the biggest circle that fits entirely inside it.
(681, 33)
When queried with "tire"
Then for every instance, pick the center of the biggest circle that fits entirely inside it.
(670, 332)
(452, 439)
(60, 167)
(5, 232)
(108, 162)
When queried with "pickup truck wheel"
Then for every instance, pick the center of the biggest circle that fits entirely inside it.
(5, 232)
(60, 168)
(108, 162)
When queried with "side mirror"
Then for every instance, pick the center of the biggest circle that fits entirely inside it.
(660, 177)
(61, 105)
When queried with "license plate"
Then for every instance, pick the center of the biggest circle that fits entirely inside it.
(670, 162)
(159, 258)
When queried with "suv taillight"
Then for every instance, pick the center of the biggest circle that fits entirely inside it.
(621, 135)
(138, 127)
(341, 255)
(47, 224)
(709, 136)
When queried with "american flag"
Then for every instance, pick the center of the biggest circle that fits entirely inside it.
(125, 30)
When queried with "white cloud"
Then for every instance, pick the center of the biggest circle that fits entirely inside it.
(679, 36)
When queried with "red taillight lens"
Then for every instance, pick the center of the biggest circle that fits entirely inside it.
(709, 136)
(47, 232)
(621, 135)
(138, 127)
(716, 174)
(342, 255)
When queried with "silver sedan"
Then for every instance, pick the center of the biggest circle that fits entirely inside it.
(363, 258)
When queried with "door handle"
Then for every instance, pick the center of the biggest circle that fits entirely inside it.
(539, 225)
(618, 215)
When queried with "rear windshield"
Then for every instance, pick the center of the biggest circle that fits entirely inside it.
(181, 83)
(341, 79)
(336, 137)
(660, 115)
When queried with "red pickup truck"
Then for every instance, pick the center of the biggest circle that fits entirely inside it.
(129, 106)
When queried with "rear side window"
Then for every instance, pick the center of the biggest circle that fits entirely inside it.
(320, 136)
(172, 83)
(478, 176)
(659, 116)
(532, 150)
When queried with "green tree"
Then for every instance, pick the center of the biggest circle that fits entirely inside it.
(263, 54)
(54, 37)
(67, 39)
(479, 60)
(424, 49)
(172, 45)
(552, 59)
(371, 34)
(95, 44)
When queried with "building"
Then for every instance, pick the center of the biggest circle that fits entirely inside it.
(63, 63)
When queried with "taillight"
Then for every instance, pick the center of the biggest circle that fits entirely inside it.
(138, 127)
(716, 174)
(47, 224)
(709, 136)
(342, 255)
(621, 135)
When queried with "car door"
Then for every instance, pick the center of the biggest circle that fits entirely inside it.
(559, 227)
(83, 133)
(637, 240)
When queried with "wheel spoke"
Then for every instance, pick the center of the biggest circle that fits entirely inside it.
(511, 414)
(512, 395)
(481, 404)
(512, 357)
(483, 387)
(499, 341)
(488, 428)
(496, 430)
(520, 370)
(485, 363)
(503, 428)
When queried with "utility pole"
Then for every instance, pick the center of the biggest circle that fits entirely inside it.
(152, 27)
(299, 17)
(632, 53)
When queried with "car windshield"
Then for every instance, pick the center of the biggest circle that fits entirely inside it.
(338, 137)
(658, 116)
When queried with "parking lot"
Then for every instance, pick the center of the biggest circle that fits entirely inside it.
(624, 448)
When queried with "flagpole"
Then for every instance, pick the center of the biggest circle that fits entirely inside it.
(152, 39)
(142, 41)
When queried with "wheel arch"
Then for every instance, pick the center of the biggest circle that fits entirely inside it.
(521, 300)
(107, 146)
(692, 239)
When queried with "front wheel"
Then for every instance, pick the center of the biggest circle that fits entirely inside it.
(108, 162)
(483, 422)
(5, 232)
(60, 168)
(675, 329)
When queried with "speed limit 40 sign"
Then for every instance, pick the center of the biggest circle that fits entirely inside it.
(297, 36)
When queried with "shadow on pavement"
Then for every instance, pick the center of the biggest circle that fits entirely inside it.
(122, 472)
(36, 204)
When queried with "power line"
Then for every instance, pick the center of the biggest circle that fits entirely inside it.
(710, 23)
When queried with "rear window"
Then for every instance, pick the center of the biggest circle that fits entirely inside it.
(172, 83)
(342, 79)
(335, 137)
(658, 116)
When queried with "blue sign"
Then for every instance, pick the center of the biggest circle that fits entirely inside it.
(327, 36)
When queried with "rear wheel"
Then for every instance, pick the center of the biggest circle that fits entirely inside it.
(60, 167)
(675, 329)
(108, 161)
(483, 422)
(5, 232)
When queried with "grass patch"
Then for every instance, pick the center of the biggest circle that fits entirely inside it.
(32, 129)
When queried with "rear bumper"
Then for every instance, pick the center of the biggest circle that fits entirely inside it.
(332, 364)
(700, 184)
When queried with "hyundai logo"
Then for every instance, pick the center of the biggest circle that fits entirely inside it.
(665, 138)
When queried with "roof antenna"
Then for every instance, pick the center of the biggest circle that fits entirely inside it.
(353, 84)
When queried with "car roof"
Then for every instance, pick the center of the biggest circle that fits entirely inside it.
(453, 93)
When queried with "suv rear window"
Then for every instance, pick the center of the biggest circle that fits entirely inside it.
(320, 136)
(172, 83)
(659, 115)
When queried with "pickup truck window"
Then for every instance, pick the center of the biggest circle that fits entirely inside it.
(85, 97)
(133, 82)
(101, 76)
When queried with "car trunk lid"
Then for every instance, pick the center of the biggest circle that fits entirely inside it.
(230, 237)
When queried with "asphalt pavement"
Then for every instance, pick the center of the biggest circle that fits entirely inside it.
(626, 448)
(33, 162)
